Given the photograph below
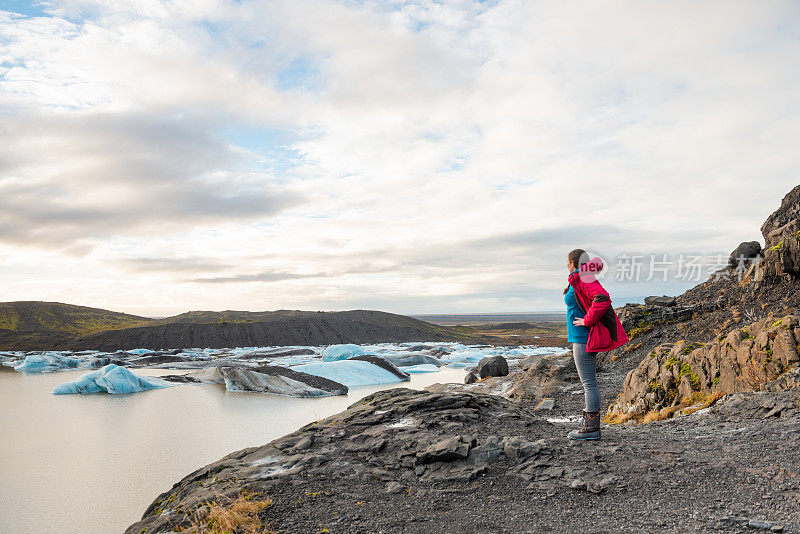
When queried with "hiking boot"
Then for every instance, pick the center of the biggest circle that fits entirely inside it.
(591, 427)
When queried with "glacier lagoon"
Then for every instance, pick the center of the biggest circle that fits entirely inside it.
(92, 463)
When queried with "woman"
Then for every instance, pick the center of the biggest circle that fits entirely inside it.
(592, 327)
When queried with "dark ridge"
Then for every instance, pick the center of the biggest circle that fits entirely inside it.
(272, 329)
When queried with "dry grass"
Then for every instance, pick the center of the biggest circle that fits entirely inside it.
(751, 376)
(230, 516)
(686, 407)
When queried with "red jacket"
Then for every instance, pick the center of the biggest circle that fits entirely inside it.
(605, 330)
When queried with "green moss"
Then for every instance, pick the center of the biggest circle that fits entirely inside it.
(716, 380)
(745, 333)
(9, 319)
(694, 380)
(690, 347)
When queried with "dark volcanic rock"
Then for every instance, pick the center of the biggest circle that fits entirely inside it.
(744, 252)
(492, 366)
(659, 301)
(398, 437)
(262, 355)
(471, 378)
(157, 359)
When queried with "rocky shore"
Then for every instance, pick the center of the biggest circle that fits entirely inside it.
(411, 461)
(702, 433)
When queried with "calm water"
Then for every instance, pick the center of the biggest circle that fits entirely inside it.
(93, 463)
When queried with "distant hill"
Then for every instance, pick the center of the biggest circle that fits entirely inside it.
(490, 318)
(29, 325)
(36, 316)
(51, 325)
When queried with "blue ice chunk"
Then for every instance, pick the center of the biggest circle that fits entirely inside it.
(111, 379)
(421, 368)
(350, 372)
(46, 363)
(341, 352)
(139, 351)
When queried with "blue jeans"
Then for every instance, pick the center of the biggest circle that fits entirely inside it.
(586, 364)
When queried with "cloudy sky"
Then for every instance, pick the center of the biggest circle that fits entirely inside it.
(411, 156)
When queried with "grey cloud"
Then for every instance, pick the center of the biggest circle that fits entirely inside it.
(266, 276)
(192, 264)
(78, 178)
(277, 276)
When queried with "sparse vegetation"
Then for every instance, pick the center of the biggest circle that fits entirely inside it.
(230, 516)
(640, 329)
(686, 407)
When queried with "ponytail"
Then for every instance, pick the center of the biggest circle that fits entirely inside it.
(578, 258)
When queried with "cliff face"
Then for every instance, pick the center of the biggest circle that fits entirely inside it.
(736, 332)
(781, 233)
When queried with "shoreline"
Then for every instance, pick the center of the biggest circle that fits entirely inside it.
(458, 460)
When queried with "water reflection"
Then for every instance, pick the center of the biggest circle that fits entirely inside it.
(93, 463)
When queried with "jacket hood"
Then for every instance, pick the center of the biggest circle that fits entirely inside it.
(590, 269)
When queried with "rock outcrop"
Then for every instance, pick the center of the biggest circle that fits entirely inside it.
(754, 284)
(781, 233)
(744, 360)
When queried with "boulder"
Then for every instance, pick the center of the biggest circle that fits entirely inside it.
(448, 449)
(545, 376)
(492, 366)
(659, 301)
(745, 251)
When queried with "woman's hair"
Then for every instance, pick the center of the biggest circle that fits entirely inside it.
(578, 258)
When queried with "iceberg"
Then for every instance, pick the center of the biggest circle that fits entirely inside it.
(421, 368)
(341, 352)
(355, 372)
(408, 360)
(268, 379)
(45, 363)
(110, 379)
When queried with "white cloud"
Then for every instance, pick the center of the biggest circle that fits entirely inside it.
(429, 135)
